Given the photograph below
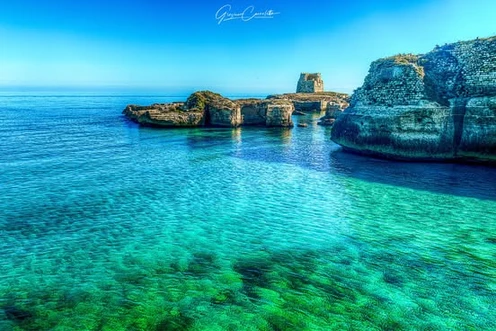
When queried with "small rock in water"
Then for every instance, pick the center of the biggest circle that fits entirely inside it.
(326, 121)
(302, 125)
(297, 112)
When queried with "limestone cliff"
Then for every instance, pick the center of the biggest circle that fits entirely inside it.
(266, 112)
(437, 106)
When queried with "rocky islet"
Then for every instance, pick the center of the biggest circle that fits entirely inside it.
(209, 109)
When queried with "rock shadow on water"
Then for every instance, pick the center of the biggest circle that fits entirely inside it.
(202, 264)
(474, 181)
(254, 274)
(211, 137)
(288, 272)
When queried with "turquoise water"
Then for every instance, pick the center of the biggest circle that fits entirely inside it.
(109, 226)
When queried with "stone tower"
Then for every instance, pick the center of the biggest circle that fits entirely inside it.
(310, 83)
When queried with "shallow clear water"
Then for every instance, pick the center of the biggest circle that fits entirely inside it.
(109, 226)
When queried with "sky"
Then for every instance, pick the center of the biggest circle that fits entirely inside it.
(183, 46)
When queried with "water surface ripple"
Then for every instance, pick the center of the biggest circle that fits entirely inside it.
(109, 226)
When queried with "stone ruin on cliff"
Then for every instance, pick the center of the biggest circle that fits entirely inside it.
(310, 83)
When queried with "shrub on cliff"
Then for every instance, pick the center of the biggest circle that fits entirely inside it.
(199, 101)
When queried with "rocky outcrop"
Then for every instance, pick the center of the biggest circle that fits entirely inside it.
(437, 106)
(266, 112)
(168, 115)
(218, 111)
(310, 102)
(279, 113)
(210, 109)
(332, 112)
(310, 83)
(253, 111)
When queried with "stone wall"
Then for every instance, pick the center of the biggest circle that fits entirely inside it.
(310, 83)
(437, 106)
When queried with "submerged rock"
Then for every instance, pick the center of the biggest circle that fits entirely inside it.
(437, 106)
(326, 121)
(16, 314)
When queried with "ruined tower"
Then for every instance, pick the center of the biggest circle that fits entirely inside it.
(310, 83)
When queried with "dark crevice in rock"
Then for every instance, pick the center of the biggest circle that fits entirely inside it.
(440, 75)
(207, 116)
(459, 109)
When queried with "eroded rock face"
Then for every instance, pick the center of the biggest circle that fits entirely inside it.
(478, 135)
(332, 112)
(217, 110)
(253, 111)
(206, 108)
(266, 112)
(437, 106)
(279, 114)
(310, 102)
(166, 115)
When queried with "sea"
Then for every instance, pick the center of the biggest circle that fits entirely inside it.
(106, 225)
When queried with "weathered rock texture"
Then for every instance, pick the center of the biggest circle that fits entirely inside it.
(310, 83)
(332, 112)
(164, 115)
(217, 110)
(437, 106)
(266, 112)
(309, 102)
(206, 108)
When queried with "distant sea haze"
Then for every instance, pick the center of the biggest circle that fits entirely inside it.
(116, 91)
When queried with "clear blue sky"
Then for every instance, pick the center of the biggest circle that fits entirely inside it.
(179, 46)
